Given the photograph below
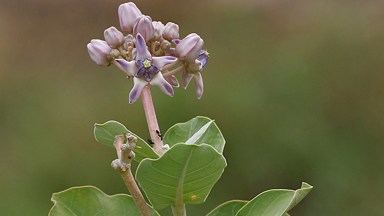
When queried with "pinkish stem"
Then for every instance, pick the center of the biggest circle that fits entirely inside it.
(174, 71)
(150, 115)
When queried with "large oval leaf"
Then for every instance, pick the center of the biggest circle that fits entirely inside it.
(199, 130)
(89, 200)
(184, 172)
(105, 134)
(274, 202)
(229, 208)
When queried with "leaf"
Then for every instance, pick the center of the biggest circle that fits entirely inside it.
(89, 200)
(229, 208)
(185, 173)
(199, 130)
(105, 134)
(274, 202)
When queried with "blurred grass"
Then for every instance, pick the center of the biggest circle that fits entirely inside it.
(295, 86)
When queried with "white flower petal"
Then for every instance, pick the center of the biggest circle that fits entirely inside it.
(160, 62)
(129, 67)
(138, 85)
(158, 80)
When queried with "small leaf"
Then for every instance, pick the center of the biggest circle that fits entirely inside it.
(274, 202)
(199, 130)
(229, 208)
(185, 173)
(105, 134)
(89, 200)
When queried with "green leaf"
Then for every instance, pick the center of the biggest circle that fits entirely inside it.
(105, 134)
(185, 173)
(274, 202)
(229, 208)
(199, 130)
(89, 200)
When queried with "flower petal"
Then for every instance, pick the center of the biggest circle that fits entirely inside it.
(158, 80)
(138, 85)
(129, 67)
(203, 58)
(199, 87)
(160, 62)
(173, 81)
(186, 78)
(141, 48)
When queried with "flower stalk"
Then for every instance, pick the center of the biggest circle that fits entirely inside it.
(150, 115)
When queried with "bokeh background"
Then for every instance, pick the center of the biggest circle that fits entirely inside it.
(295, 86)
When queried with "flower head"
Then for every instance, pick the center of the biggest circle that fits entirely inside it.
(146, 70)
(151, 53)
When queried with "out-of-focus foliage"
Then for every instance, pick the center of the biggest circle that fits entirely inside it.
(295, 86)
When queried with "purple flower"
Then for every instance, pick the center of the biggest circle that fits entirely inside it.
(193, 70)
(99, 52)
(189, 48)
(114, 37)
(128, 13)
(159, 27)
(171, 31)
(145, 70)
(144, 27)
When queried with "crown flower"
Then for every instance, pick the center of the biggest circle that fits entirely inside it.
(150, 53)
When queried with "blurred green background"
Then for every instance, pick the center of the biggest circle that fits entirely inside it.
(295, 86)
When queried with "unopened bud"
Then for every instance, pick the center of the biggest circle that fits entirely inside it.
(171, 31)
(128, 13)
(144, 26)
(99, 52)
(189, 48)
(114, 37)
(159, 27)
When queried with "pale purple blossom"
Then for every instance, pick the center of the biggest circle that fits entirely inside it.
(151, 53)
(128, 13)
(143, 26)
(193, 70)
(146, 70)
(189, 48)
(99, 52)
(113, 37)
(171, 31)
(159, 27)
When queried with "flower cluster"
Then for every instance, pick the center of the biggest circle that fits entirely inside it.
(150, 52)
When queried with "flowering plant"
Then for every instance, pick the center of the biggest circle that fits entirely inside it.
(174, 169)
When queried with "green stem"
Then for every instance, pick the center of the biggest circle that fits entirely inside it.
(179, 210)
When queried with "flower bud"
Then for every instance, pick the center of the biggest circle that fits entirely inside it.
(171, 31)
(99, 52)
(144, 26)
(114, 37)
(189, 48)
(128, 13)
(159, 27)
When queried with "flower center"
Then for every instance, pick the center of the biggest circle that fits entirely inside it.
(147, 63)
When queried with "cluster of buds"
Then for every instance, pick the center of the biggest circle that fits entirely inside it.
(150, 52)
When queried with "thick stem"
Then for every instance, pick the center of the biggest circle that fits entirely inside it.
(123, 165)
(150, 114)
(135, 192)
(179, 210)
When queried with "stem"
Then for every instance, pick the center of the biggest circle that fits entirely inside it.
(150, 115)
(123, 165)
(174, 71)
(135, 192)
(179, 210)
